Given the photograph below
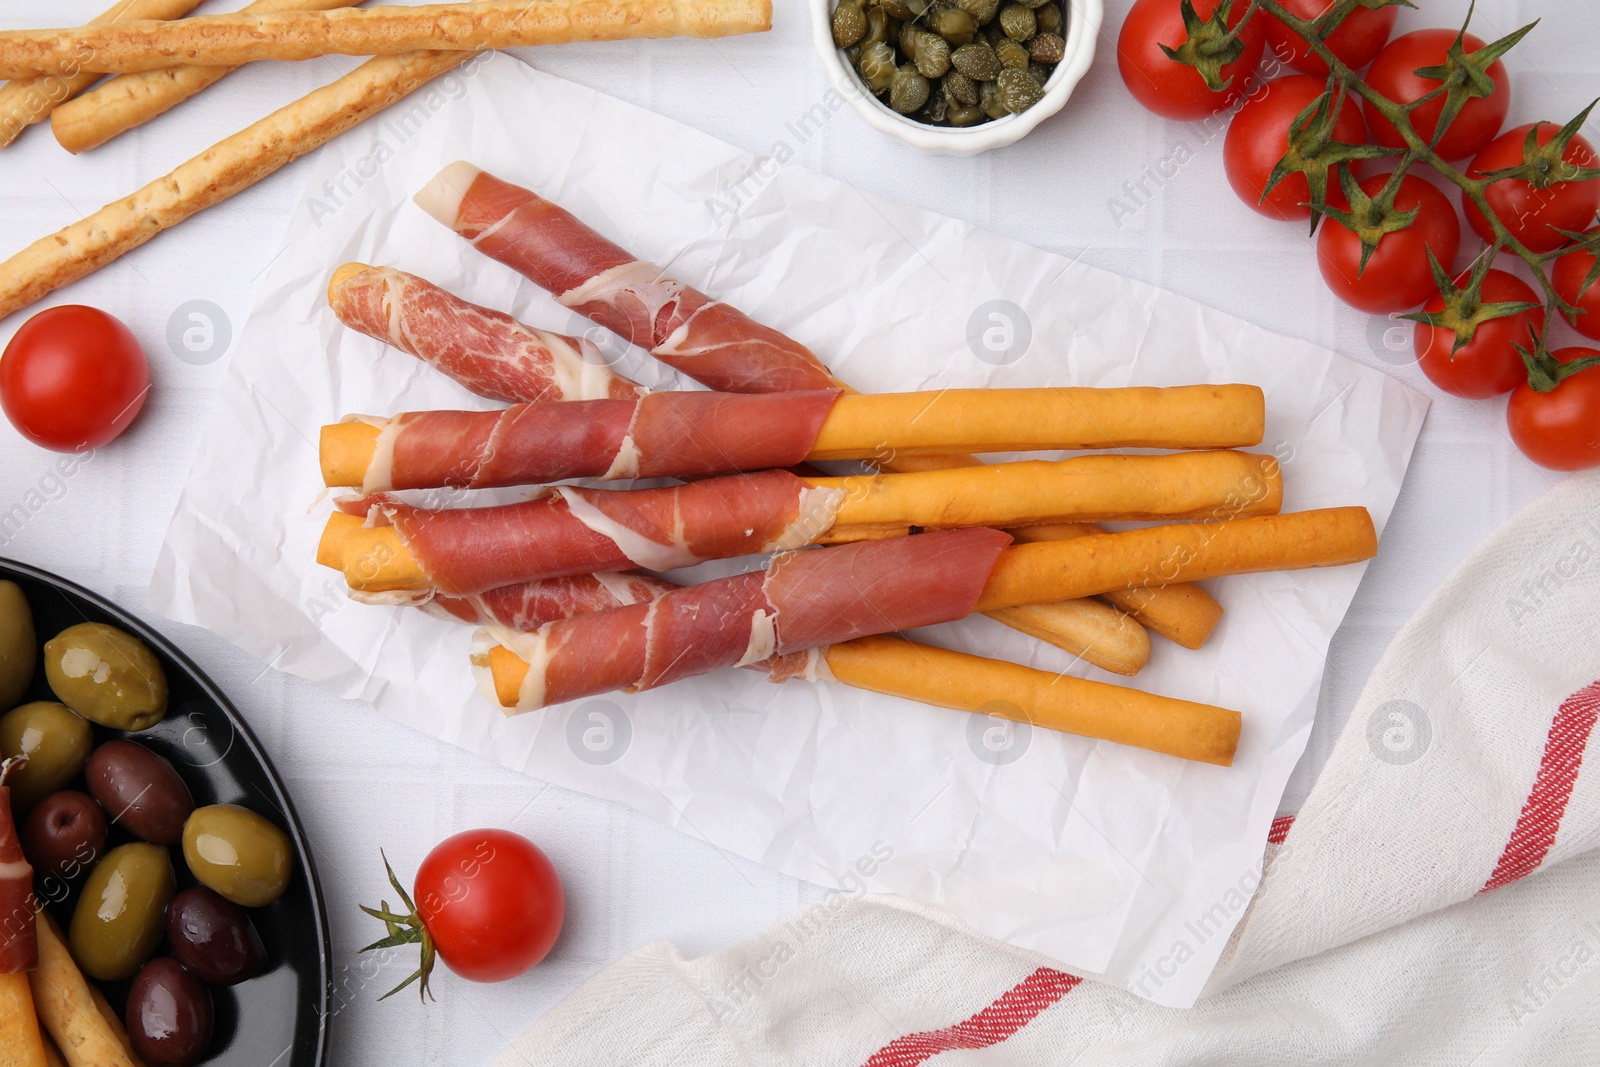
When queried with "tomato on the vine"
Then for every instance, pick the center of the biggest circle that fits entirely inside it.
(1176, 90)
(1568, 277)
(1258, 137)
(1560, 429)
(1489, 364)
(1393, 75)
(1359, 38)
(1397, 276)
(73, 378)
(1533, 214)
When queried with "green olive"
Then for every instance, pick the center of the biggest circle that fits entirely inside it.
(107, 676)
(118, 921)
(56, 742)
(238, 853)
(19, 645)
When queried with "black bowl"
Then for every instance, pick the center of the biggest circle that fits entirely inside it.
(280, 1017)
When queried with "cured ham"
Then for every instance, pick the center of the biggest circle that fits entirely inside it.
(19, 946)
(488, 352)
(657, 435)
(803, 600)
(710, 341)
(402, 553)
(529, 605)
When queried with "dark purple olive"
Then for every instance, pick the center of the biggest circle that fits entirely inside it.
(140, 791)
(213, 937)
(64, 835)
(169, 1015)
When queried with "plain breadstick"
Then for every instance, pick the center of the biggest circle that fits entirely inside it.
(898, 667)
(1181, 612)
(216, 174)
(1093, 631)
(235, 39)
(69, 1009)
(30, 100)
(21, 1042)
(134, 99)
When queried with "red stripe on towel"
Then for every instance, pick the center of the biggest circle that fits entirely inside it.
(1547, 802)
(1280, 829)
(1010, 1012)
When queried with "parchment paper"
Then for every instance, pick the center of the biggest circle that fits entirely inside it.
(1108, 860)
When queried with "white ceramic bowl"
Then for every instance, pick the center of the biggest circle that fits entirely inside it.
(1083, 26)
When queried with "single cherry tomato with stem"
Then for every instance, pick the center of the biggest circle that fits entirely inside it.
(1359, 38)
(1397, 276)
(487, 902)
(1568, 276)
(1488, 364)
(1559, 427)
(1258, 137)
(1533, 214)
(73, 378)
(1393, 75)
(1174, 89)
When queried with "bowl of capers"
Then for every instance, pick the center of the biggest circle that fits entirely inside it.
(956, 77)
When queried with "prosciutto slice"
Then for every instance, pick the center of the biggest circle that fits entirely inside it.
(529, 605)
(658, 435)
(803, 600)
(710, 341)
(19, 947)
(487, 351)
(573, 530)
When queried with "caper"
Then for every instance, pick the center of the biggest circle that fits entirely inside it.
(1049, 18)
(1012, 55)
(989, 101)
(1018, 91)
(954, 25)
(878, 26)
(1018, 22)
(877, 66)
(1039, 74)
(853, 54)
(904, 10)
(960, 89)
(932, 56)
(982, 11)
(849, 23)
(992, 32)
(934, 111)
(976, 61)
(963, 115)
(907, 38)
(1047, 48)
(1033, 3)
(908, 91)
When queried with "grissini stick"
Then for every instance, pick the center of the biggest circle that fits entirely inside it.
(131, 100)
(229, 167)
(30, 100)
(929, 675)
(69, 1007)
(693, 434)
(235, 39)
(577, 530)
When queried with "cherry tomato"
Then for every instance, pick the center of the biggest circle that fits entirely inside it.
(1487, 365)
(1176, 90)
(1393, 75)
(1560, 429)
(1527, 211)
(492, 903)
(73, 378)
(1359, 37)
(1258, 137)
(1568, 275)
(1397, 276)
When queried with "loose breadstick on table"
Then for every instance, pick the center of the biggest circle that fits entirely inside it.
(234, 39)
(30, 100)
(1093, 631)
(52, 1055)
(21, 1043)
(947, 679)
(213, 176)
(69, 1007)
(134, 99)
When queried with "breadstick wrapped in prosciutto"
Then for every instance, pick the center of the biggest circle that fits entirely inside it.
(693, 434)
(405, 552)
(488, 352)
(801, 601)
(19, 947)
(529, 605)
(710, 341)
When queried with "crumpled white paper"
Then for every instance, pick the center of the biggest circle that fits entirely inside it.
(1107, 859)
